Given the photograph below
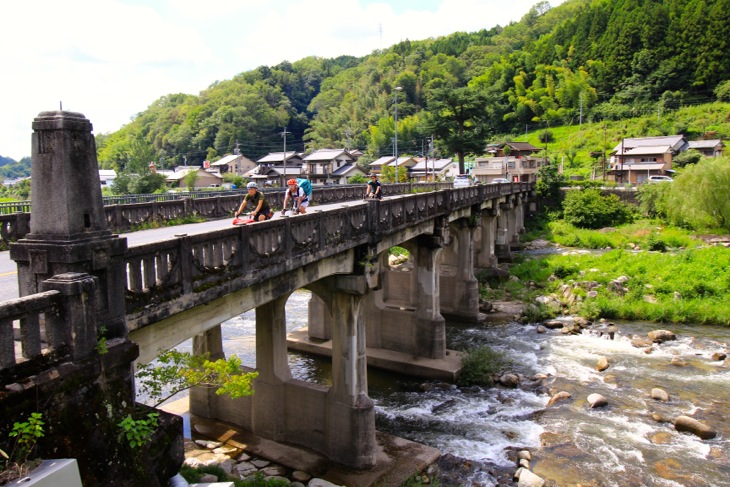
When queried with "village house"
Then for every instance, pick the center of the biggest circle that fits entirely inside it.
(515, 161)
(708, 148)
(405, 163)
(633, 160)
(271, 169)
(424, 169)
(321, 165)
(204, 179)
(233, 164)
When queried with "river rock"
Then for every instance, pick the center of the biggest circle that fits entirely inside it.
(571, 329)
(524, 454)
(718, 356)
(641, 342)
(299, 476)
(320, 483)
(691, 425)
(560, 396)
(659, 394)
(602, 364)
(679, 362)
(509, 380)
(529, 479)
(661, 438)
(552, 324)
(661, 336)
(597, 401)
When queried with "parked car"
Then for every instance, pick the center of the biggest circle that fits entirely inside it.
(500, 180)
(660, 179)
(462, 181)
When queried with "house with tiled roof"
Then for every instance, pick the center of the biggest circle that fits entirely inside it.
(708, 148)
(233, 164)
(516, 161)
(425, 169)
(633, 160)
(319, 166)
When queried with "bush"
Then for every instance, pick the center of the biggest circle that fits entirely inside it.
(590, 209)
(479, 365)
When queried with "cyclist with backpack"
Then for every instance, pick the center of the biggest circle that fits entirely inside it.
(299, 195)
(261, 211)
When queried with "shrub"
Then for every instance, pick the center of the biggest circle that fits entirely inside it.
(590, 209)
(479, 365)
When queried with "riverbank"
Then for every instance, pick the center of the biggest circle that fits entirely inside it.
(236, 454)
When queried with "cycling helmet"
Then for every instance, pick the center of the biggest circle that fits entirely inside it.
(252, 185)
(291, 181)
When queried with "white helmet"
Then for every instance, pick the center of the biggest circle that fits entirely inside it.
(252, 185)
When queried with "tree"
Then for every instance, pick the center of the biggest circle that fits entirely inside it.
(698, 197)
(190, 179)
(455, 119)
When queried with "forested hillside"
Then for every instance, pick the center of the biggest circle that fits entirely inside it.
(584, 60)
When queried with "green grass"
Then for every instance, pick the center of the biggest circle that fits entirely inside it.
(688, 286)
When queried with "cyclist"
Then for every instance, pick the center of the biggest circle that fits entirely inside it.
(374, 188)
(262, 211)
(299, 197)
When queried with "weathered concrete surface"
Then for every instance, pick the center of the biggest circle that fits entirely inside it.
(445, 369)
(397, 458)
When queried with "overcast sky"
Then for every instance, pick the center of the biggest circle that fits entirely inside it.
(110, 59)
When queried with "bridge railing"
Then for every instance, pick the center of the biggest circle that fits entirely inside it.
(129, 211)
(179, 273)
(21, 319)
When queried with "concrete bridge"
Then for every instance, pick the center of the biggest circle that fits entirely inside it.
(80, 284)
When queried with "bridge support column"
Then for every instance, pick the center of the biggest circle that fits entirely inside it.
(210, 342)
(516, 226)
(269, 399)
(502, 245)
(460, 296)
(350, 412)
(485, 256)
(430, 332)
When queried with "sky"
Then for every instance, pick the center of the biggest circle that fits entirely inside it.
(111, 59)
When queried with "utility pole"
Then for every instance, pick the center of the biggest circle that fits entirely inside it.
(580, 123)
(604, 152)
(395, 144)
(283, 177)
(433, 159)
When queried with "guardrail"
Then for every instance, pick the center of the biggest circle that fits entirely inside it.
(180, 273)
(130, 211)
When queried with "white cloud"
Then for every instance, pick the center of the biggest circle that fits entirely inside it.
(110, 59)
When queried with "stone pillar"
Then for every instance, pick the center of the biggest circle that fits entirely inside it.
(515, 223)
(502, 245)
(350, 412)
(210, 342)
(485, 256)
(68, 231)
(75, 327)
(465, 288)
(430, 330)
(269, 399)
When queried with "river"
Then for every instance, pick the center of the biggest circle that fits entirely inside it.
(571, 444)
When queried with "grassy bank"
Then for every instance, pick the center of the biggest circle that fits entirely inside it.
(672, 276)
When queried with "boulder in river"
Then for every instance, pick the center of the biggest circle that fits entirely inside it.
(602, 364)
(717, 356)
(597, 401)
(558, 397)
(661, 336)
(691, 425)
(529, 479)
(659, 394)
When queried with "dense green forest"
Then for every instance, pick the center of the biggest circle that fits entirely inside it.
(586, 60)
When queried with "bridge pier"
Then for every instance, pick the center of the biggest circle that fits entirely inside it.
(459, 286)
(484, 241)
(284, 409)
(502, 243)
